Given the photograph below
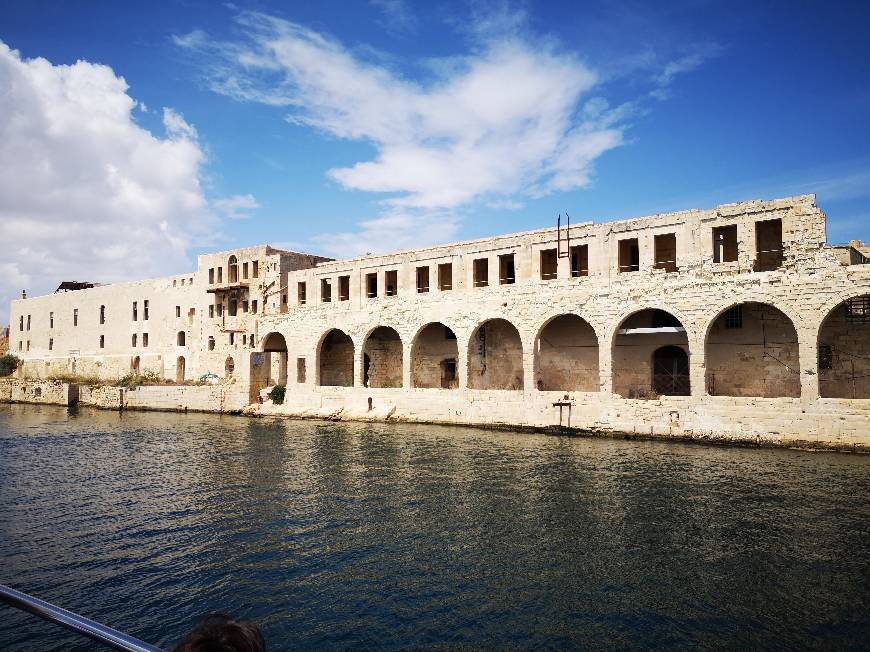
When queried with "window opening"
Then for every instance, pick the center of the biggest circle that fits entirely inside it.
(325, 290)
(506, 269)
(665, 246)
(423, 279)
(579, 261)
(372, 285)
(549, 264)
(481, 272)
(391, 281)
(725, 248)
(768, 245)
(445, 276)
(629, 255)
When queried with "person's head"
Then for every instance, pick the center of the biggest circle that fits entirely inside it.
(223, 633)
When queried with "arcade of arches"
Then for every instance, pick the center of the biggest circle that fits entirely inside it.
(750, 350)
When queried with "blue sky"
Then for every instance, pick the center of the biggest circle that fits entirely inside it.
(355, 126)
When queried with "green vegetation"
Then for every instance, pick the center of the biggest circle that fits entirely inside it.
(8, 364)
(277, 394)
(145, 378)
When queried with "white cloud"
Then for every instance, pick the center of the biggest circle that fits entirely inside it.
(697, 55)
(397, 16)
(85, 192)
(504, 121)
(236, 207)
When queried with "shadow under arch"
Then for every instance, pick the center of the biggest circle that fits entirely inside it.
(844, 350)
(640, 343)
(434, 357)
(335, 359)
(495, 356)
(566, 355)
(382, 358)
(751, 350)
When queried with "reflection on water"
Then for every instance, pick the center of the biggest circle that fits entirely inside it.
(344, 535)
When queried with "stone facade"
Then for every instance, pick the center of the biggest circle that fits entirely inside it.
(735, 323)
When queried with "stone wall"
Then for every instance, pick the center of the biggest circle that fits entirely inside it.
(43, 392)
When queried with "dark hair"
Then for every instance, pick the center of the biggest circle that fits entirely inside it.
(222, 633)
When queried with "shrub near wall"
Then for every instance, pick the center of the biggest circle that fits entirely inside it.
(8, 364)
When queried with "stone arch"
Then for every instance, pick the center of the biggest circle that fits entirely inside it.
(382, 358)
(180, 371)
(335, 355)
(751, 349)
(634, 343)
(495, 356)
(434, 357)
(274, 370)
(566, 355)
(844, 350)
(233, 270)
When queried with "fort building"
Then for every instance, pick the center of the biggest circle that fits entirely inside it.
(737, 323)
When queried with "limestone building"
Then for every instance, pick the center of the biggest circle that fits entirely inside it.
(736, 322)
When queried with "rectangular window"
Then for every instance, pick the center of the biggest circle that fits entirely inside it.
(211, 311)
(445, 276)
(480, 270)
(734, 317)
(725, 244)
(102, 317)
(665, 246)
(102, 311)
(629, 255)
(343, 288)
(51, 320)
(20, 345)
(133, 339)
(284, 299)
(233, 307)
(579, 261)
(232, 338)
(254, 306)
(28, 345)
(135, 311)
(325, 290)
(422, 279)
(301, 292)
(244, 340)
(245, 305)
(145, 310)
(255, 269)
(768, 245)
(178, 311)
(21, 324)
(549, 264)
(50, 343)
(211, 276)
(300, 370)
(372, 285)
(220, 309)
(244, 270)
(506, 270)
(826, 357)
(391, 281)
(144, 339)
(75, 316)
(220, 275)
(102, 341)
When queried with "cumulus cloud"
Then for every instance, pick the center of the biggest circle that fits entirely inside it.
(503, 122)
(85, 192)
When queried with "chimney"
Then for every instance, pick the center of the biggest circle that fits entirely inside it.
(23, 294)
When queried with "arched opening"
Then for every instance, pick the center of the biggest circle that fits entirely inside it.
(638, 339)
(180, 338)
(566, 356)
(134, 365)
(179, 369)
(229, 367)
(233, 269)
(382, 358)
(844, 350)
(670, 366)
(335, 357)
(434, 353)
(495, 356)
(211, 343)
(275, 348)
(752, 350)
